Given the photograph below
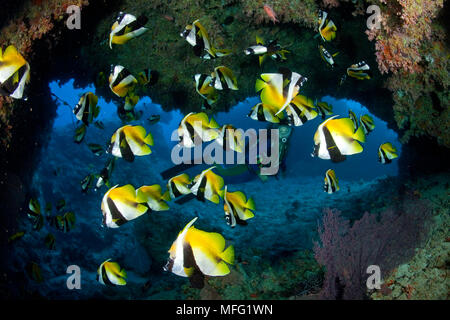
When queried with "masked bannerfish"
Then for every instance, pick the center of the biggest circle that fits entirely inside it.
(63, 223)
(208, 185)
(120, 205)
(272, 49)
(105, 174)
(326, 56)
(153, 196)
(14, 73)
(179, 185)
(386, 152)
(336, 138)
(121, 81)
(205, 88)
(197, 36)
(87, 182)
(148, 76)
(354, 119)
(278, 89)
(196, 253)
(110, 273)
(223, 78)
(331, 182)
(80, 133)
(87, 110)
(231, 139)
(265, 112)
(300, 110)
(324, 108)
(367, 123)
(359, 71)
(130, 141)
(131, 101)
(126, 27)
(237, 208)
(327, 28)
(197, 126)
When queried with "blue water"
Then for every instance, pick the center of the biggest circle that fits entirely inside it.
(299, 161)
(288, 206)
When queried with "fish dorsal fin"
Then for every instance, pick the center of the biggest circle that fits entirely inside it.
(259, 40)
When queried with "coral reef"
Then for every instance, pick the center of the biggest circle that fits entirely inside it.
(347, 251)
(426, 275)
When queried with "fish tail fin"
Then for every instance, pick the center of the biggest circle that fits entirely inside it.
(213, 123)
(250, 204)
(259, 85)
(149, 139)
(228, 255)
(359, 135)
(261, 59)
(222, 52)
(166, 196)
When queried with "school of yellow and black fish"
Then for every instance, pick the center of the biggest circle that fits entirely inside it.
(194, 253)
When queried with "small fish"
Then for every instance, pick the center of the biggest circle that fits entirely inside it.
(272, 49)
(265, 112)
(197, 127)
(63, 223)
(326, 56)
(87, 110)
(148, 76)
(34, 213)
(354, 119)
(127, 27)
(16, 236)
(223, 78)
(231, 138)
(196, 253)
(237, 208)
(105, 174)
(154, 197)
(324, 108)
(269, 11)
(179, 185)
(130, 102)
(327, 28)
(121, 81)
(50, 241)
(80, 133)
(336, 138)
(96, 149)
(154, 118)
(61, 204)
(278, 89)
(120, 205)
(300, 110)
(14, 73)
(110, 273)
(130, 141)
(387, 152)
(360, 71)
(205, 88)
(367, 123)
(86, 183)
(99, 125)
(34, 272)
(331, 182)
(197, 36)
(208, 185)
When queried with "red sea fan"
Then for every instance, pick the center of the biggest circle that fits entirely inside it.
(386, 240)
